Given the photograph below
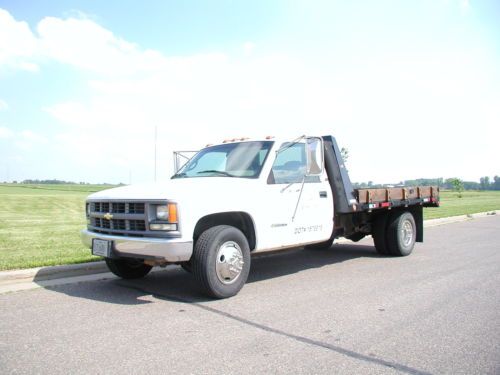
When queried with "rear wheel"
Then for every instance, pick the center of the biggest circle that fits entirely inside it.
(221, 261)
(401, 234)
(128, 268)
(379, 234)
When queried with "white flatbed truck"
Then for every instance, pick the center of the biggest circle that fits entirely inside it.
(242, 197)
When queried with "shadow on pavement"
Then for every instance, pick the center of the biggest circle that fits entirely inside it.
(175, 284)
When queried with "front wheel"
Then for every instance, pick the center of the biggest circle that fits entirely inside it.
(128, 268)
(187, 266)
(221, 261)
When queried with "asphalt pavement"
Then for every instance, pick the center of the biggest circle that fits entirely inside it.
(346, 310)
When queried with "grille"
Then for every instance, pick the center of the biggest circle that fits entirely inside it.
(117, 207)
(129, 218)
(136, 208)
(119, 224)
(137, 225)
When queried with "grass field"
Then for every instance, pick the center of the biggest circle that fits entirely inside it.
(470, 203)
(40, 224)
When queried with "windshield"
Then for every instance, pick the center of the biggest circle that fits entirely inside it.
(243, 159)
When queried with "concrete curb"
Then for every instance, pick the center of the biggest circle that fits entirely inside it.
(457, 219)
(57, 275)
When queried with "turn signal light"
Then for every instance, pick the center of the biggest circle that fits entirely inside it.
(172, 213)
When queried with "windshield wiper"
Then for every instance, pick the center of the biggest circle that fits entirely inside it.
(224, 173)
(290, 144)
(179, 175)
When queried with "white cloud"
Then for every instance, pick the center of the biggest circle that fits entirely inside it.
(375, 107)
(78, 42)
(24, 140)
(18, 45)
(87, 45)
(248, 48)
(3, 105)
(5, 133)
(194, 101)
(27, 140)
(31, 136)
(70, 113)
(464, 6)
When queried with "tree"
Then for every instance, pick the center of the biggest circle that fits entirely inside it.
(485, 183)
(496, 183)
(345, 154)
(458, 186)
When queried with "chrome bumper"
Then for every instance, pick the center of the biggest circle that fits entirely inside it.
(168, 249)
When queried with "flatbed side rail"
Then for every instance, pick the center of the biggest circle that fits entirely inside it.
(370, 199)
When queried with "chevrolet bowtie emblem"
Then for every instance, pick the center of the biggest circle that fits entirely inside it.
(108, 216)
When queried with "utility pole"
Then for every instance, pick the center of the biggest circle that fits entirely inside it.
(156, 137)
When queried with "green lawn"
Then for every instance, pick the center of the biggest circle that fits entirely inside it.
(40, 224)
(471, 202)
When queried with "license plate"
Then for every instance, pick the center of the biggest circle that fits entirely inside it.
(101, 248)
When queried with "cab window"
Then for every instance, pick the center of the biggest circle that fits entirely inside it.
(290, 165)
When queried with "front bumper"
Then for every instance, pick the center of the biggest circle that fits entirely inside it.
(163, 249)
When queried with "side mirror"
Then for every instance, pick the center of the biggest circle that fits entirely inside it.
(314, 156)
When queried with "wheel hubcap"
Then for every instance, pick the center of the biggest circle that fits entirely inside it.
(407, 232)
(229, 262)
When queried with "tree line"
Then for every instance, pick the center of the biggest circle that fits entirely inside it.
(450, 183)
(56, 182)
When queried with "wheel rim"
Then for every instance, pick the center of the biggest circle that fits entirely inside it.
(407, 233)
(229, 262)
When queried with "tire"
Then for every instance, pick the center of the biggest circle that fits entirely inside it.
(401, 234)
(128, 268)
(325, 245)
(187, 266)
(221, 261)
(379, 234)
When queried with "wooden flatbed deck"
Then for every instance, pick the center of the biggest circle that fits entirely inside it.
(369, 199)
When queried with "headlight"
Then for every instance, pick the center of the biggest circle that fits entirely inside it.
(162, 213)
(166, 217)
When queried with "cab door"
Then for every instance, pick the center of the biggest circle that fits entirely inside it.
(314, 217)
(300, 208)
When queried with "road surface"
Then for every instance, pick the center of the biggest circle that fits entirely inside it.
(342, 311)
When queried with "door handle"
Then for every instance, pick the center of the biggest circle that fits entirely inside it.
(323, 194)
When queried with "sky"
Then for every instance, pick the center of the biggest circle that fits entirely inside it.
(410, 88)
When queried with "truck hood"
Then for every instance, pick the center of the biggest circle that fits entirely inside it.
(179, 189)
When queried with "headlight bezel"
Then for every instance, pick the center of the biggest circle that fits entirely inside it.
(166, 218)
